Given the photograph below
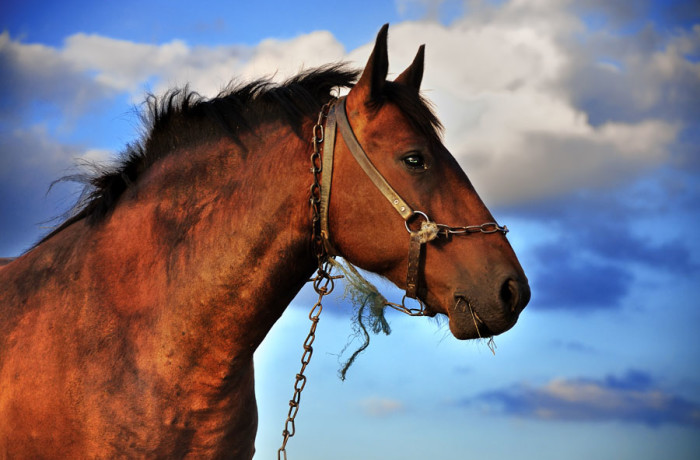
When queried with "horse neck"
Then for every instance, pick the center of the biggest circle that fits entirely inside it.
(214, 242)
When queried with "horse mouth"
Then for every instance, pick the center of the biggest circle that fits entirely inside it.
(466, 322)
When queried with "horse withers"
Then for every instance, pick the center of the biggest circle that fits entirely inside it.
(129, 331)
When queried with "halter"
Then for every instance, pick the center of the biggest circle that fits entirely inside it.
(336, 119)
(428, 231)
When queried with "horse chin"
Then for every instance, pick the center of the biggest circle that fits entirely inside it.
(463, 329)
(469, 322)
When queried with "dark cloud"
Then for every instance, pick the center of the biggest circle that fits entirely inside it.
(624, 15)
(564, 282)
(632, 380)
(639, 61)
(677, 13)
(583, 275)
(40, 94)
(29, 162)
(613, 89)
(37, 80)
(614, 11)
(634, 397)
(622, 246)
(599, 240)
(647, 72)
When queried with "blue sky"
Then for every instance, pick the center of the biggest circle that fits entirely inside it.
(579, 126)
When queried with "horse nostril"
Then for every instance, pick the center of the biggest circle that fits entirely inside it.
(515, 295)
(509, 295)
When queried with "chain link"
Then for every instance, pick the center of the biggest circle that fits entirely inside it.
(323, 282)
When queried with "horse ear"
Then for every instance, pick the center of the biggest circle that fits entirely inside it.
(374, 76)
(413, 75)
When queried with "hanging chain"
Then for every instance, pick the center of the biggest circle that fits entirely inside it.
(315, 200)
(323, 282)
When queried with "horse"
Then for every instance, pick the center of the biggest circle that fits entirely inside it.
(129, 330)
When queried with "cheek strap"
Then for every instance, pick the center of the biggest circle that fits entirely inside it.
(337, 117)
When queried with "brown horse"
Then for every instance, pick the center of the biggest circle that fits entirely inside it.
(129, 331)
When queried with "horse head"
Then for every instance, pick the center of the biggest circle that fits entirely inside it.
(468, 272)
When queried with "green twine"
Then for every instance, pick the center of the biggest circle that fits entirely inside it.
(368, 306)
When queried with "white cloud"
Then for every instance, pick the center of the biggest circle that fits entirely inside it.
(123, 66)
(34, 73)
(500, 79)
(286, 58)
(126, 66)
(98, 156)
(130, 67)
(529, 109)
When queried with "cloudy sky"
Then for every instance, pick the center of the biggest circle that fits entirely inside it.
(579, 124)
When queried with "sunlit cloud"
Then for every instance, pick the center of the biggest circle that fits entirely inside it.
(633, 398)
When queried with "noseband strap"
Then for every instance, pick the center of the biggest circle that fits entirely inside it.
(428, 231)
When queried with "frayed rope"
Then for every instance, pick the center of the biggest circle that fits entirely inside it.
(368, 304)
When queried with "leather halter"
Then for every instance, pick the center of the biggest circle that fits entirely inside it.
(337, 118)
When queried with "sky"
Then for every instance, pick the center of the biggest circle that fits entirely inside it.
(577, 122)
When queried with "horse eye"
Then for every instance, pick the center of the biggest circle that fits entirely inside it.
(414, 161)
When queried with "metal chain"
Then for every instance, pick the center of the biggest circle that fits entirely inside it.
(323, 282)
(315, 200)
(488, 227)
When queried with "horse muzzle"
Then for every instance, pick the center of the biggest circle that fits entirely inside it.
(472, 316)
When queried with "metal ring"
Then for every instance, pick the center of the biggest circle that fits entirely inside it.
(408, 229)
(413, 311)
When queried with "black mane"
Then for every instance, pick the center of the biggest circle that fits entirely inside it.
(182, 117)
